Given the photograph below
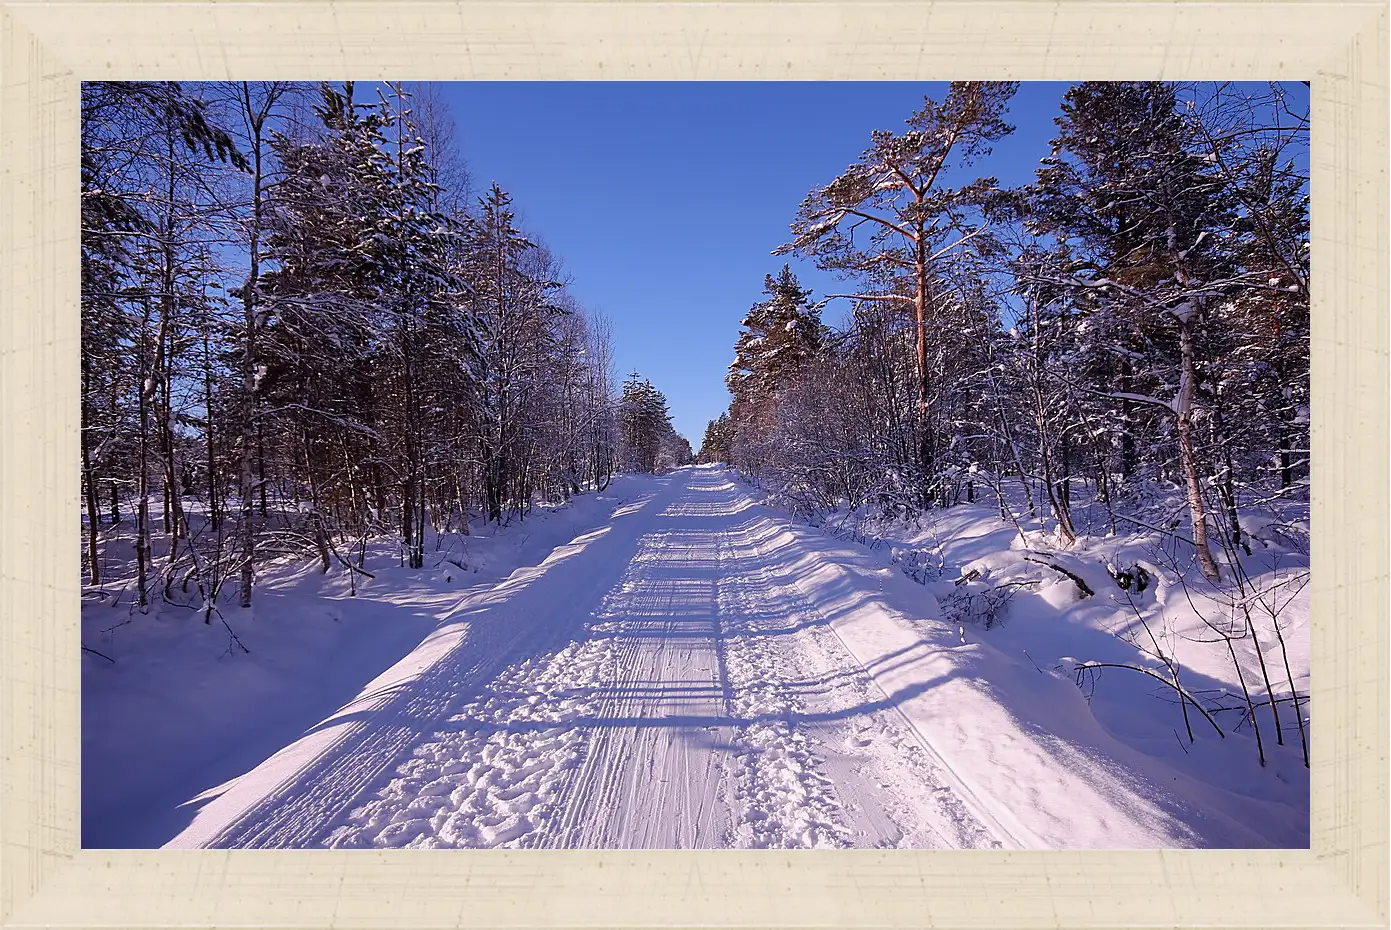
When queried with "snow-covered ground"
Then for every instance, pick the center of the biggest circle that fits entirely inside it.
(675, 664)
(183, 709)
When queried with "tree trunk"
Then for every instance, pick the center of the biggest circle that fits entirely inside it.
(250, 429)
(1105, 485)
(148, 374)
(262, 485)
(378, 485)
(89, 488)
(408, 520)
(1227, 486)
(173, 505)
(1287, 435)
(321, 541)
(920, 300)
(115, 489)
(214, 503)
(1065, 481)
(115, 502)
(1056, 502)
(142, 513)
(1013, 446)
(421, 522)
(1196, 508)
(1127, 423)
(89, 483)
(413, 490)
(173, 486)
(356, 506)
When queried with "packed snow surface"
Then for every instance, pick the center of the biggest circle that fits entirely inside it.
(690, 668)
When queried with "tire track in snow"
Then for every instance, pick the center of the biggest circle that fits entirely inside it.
(296, 815)
(785, 798)
(496, 781)
(549, 755)
(674, 687)
(880, 764)
(935, 795)
(655, 771)
(505, 777)
(511, 624)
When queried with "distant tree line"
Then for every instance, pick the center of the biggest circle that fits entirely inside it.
(1137, 314)
(646, 436)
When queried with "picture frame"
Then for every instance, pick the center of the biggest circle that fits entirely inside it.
(48, 48)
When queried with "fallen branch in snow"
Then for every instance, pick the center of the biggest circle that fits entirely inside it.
(1159, 529)
(1180, 743)
(972, 575)
(1031, 661)
(1076, 579)
(234, 638)
(86, 648)
(1183, 693)
(347, 563)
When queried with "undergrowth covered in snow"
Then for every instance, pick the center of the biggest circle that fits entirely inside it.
(1211, 678)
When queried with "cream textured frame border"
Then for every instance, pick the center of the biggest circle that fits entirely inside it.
(46, 48)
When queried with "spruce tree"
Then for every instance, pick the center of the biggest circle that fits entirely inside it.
(781, 335)
(1146, 215)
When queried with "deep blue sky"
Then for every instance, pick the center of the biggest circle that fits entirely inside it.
(664, 200)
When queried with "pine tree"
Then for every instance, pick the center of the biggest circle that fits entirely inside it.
(255, 106)
(1253, 141)
(914, 221)
(145, 212)
(319, 327)
(422, 293)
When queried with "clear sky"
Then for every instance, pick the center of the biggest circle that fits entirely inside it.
(664, 200)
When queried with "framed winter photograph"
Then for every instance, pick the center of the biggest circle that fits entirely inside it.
(629, 464)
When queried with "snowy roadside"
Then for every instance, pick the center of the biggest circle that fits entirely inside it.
(181, 709)
(1043, 762)
(677, 658)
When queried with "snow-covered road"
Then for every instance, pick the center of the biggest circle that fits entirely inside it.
(657, 683)
(696, 673)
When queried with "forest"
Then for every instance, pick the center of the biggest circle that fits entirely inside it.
(1002, 540)
(303, 328)
(1136, 319)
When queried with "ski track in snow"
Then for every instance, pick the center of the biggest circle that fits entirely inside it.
(661, 683)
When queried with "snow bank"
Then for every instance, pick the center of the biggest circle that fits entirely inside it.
(1047, 764)
(181, 710)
